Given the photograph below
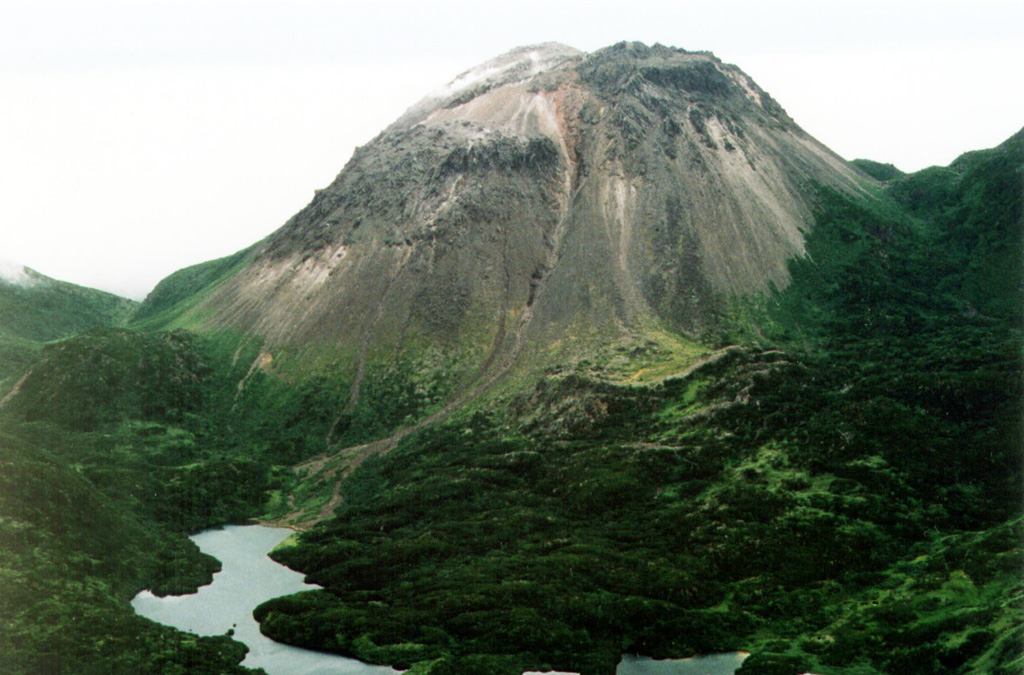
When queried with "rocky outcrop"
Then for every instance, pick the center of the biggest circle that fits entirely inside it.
(547, 198)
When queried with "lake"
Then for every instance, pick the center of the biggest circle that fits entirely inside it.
(249, 577)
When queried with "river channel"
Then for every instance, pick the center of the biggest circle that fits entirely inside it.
(249, 577)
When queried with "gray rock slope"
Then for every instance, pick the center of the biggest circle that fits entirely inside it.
(547, 199)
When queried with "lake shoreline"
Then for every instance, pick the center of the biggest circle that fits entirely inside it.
(246, 566)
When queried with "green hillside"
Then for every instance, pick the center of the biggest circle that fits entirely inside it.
(832, 482)
(111, 452)
(43, 309)
(174, 295)
(72, 555)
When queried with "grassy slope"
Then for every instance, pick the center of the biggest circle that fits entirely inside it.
(49, 310)
(167, 306)
(175, 436)
(851, 503)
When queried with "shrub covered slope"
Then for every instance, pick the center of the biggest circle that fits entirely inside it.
(36, 309)
(843, 495)
(835, 487)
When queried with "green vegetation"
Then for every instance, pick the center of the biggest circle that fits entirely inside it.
(850, 502)
(173, 296)
(188, 429)
(393, 394)
(110, 374)
(71, 558)
(15, 356)
(657, 355)
(752, 505)
(878, 170)
(45, 309)
(840, 492)
(117, 444)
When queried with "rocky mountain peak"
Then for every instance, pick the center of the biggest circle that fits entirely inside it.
(547, 198)
(516, 65)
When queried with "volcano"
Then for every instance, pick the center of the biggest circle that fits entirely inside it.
(585, 355)
(548, 198)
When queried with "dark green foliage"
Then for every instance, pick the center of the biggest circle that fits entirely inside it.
(600, 546)
(759, 502)
(283, 423)
(46, 309)
(164, 426)
(116, 444)
(15, 356)
(77, 536)
(70, 559)
(108, 374)
(878, 170)
(844, 495)
(852, 501)
(924, 192)
(391, 395)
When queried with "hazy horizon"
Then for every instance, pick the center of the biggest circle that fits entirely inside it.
(140, 138)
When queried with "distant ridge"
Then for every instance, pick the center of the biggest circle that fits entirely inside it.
(35, 308)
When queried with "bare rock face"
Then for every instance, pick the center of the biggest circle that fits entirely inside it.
(545, 199)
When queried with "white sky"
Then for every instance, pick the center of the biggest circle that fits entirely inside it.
(138, 137)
